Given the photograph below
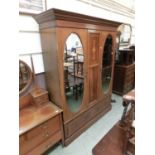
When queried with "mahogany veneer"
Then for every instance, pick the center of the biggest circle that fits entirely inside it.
(55, 27)
(40, 128)
(40, 123)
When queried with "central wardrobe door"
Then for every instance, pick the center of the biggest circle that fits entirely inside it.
(93, 49)
(73, 72)
(107, 64)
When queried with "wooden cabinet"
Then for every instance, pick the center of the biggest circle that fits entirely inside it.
(40, 121)
(40, 128)
(124, 71)
(124, 78)
(76, 50)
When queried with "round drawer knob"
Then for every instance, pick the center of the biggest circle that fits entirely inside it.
(47, 134)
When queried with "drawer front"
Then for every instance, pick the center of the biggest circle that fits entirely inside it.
(46, 144)
(129, 78)
(39, 134)
(129, 71)
(50, 126)
(85, 118)
(41, 99)
(21, 140)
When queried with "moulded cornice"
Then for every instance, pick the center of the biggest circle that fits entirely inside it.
(57, 14)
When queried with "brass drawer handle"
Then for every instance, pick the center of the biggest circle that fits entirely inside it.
(45, 127)
(46, 135)
(47, 146)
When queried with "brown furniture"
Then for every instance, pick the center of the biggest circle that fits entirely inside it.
(40, 122)
(84, 90)
(40, 128)
(124, 78)
(124, 71)
(120, 140)
(126, 56)
(127, 122)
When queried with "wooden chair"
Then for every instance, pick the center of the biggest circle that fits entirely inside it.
(127, 122)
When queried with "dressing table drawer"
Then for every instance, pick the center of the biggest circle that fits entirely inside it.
(41, 99)
(40, 134)
(46, 144)
(49, 127)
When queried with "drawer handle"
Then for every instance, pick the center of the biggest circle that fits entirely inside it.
(44, 127)
(47, 146)
(47, 135)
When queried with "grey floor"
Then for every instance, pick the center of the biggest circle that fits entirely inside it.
(84, 144)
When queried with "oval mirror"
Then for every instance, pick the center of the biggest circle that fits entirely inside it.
(107, 64)
(25, 76)
(73, 72)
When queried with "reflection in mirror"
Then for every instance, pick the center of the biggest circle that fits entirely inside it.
(107, 64)
(25, 76)
(73, 72)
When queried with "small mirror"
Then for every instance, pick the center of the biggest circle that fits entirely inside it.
(107, 64)
(125, 36)
(25, 76)
(73, 72)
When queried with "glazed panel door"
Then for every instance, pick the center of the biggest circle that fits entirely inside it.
(93, 65)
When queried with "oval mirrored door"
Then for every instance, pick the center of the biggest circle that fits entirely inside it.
(73, 72)
(107, 64)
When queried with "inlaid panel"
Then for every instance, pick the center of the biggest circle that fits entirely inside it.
(93, 65)
(93, 85)
(93, 48)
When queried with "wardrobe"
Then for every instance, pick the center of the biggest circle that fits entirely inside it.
(78, 53)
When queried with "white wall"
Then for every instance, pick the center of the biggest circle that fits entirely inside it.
(29, 42)
(29, 38)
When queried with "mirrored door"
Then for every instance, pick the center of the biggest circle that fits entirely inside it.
(73, 71)
(107, 64)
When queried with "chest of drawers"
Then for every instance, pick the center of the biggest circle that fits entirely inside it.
(40, 128)
(124, 78)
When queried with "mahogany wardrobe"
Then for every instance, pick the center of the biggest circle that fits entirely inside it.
(78, 54)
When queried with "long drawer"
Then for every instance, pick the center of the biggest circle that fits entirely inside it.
(39, 134)
(46, 144)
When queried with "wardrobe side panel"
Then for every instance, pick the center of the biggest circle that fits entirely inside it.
(50, 57)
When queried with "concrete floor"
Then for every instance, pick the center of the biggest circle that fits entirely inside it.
(84, 144)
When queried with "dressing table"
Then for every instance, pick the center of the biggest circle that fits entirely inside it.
(40, 121)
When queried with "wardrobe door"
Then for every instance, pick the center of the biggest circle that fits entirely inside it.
(107, 62)
(73, 63)
(93, 53)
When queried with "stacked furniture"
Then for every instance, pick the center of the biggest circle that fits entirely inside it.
(78, 53)
(124, 72)
(40, 121)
